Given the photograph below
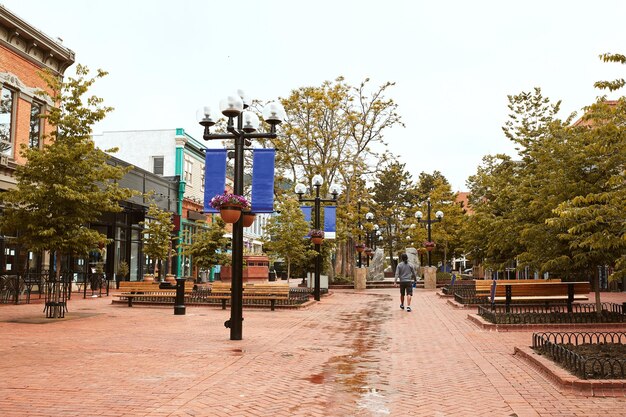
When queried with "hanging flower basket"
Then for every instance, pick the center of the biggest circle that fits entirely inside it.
(360, 247)
(230, 214)
(248, 218)
(429, 246)
(317, 236)
(369, 251)
(230, 206)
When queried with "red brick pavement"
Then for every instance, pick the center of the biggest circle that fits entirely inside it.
(352, 354)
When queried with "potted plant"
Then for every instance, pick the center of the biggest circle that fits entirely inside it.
(122, 271)
(230, 206)
(317, 236)
(360, 247)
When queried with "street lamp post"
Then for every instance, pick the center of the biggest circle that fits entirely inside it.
(360, 263)
(369, 216)
(317, 201)
(429, 222)
(234, 108)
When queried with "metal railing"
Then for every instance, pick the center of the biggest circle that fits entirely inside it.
(567, 348)
(459, 286)
(553, 313)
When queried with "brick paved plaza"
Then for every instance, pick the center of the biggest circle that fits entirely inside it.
(352, 354)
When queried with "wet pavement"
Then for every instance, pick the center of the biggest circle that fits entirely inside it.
(352, 354)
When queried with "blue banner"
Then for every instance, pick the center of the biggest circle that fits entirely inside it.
(330, 220)
(214, 176)
(306, 211)
(263, 181)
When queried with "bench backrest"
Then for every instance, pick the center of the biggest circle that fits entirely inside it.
(483, 286)
(544, 289)
(134, 286)
(266, 289)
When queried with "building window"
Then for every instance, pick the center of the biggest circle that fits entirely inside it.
(188, 171)
(7, 99)
(34, 136)
(157, 165)
(202, 176)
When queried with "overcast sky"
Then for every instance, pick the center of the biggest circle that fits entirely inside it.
(453, 62)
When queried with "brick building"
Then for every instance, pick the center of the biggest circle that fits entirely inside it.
(24, 53)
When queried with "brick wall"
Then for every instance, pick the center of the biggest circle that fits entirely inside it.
(28, 73)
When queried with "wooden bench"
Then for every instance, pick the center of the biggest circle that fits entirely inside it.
(251, 291)
(483, 286)
(149, 291)
(543, 291)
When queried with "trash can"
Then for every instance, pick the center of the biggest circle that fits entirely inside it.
(272, 276)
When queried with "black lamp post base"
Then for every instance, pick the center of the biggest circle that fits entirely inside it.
(179, 310)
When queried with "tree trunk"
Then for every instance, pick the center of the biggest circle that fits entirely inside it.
(596, 286)
(56, 294)
(288, 269)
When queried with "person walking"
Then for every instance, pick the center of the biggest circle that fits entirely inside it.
(405, 273)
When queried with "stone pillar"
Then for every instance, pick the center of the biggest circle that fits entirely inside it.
(430, 277)
(360, 278)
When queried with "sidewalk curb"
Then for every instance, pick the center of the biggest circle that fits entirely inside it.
(568, 382)
(485, 325)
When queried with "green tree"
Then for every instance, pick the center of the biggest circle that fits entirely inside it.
(393, 194)
(207, 246)
(593, 221)
(286, 234)
(157, 235)
(336, 130)
(446, 234)
(67, 184)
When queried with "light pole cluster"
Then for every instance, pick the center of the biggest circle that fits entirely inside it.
(300, 189)
(241, 127)
(370, 237)
(428, 221)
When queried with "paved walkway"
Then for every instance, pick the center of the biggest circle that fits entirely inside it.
(352, 354)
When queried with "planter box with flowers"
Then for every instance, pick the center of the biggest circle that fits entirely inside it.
(230, 206)
(317, 236)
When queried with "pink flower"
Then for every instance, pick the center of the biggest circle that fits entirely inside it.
(228, 199)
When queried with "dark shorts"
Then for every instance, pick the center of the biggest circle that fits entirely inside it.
(406, 287)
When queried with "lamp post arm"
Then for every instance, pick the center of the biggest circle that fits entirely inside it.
(234, 134)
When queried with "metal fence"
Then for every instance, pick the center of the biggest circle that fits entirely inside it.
(557, 314)
(200, 296)
(20, 288)
(566, 348)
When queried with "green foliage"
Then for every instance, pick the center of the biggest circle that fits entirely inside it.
(208, 245)
(393, 196)
(67, 184)
(157, 233)
(123, 269)
(561, 207)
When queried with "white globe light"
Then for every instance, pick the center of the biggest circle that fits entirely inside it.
(300, 188)
(318, 180)
(250, 121)
(419, 214)
(439, 214)
(231, 106)
(274, 113)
